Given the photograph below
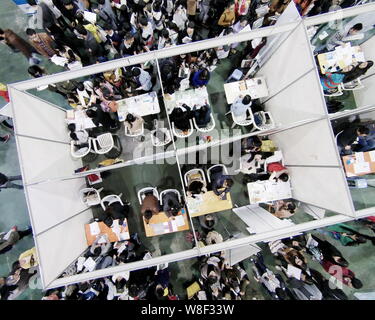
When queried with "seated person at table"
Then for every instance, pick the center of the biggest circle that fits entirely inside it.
(277, 171)
(195, 185)
(200, 78)
(133, 123)
(349, 137)
(251, 144)
(171, 205)
(338, 38)
(150, 206)
(181, 116)
(220, 181)
(98, 116)
(143, 79)
(357, 71)
(240, 107)
(282, 209)
(113, 212)
(202, 115)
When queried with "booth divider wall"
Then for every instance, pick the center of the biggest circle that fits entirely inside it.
(61, 239)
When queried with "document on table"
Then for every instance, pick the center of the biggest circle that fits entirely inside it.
(90, 264)
(124, 236)
(359, 157)
(372, 155)
(158, 228)
(361, 167)
(180, 221)
(323, 35)
(94, 228)
(174, 225)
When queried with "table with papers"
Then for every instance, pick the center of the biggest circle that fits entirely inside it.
(208, 202)
(255, 87)
(359, 163)
(142, 105)
(190, 97)
(116, 233)
(264, 191)
(80, 119)
(160, 224)
(340, 58)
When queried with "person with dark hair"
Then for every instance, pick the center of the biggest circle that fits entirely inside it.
(202, 115)
(163, 39)
(7, 182)
(347, 139)
(221, 184)
(338, 38)
(133, 123)
(171, 204)
(189, 34)
(200, 78)
(208, 222)
(228, 16)
(94, 49)
(346, 235)
(251, 145)
(357, 71)
(146, 32)
(241, 107)
(181, 116)
(277, 171)
(330, 252)
(143, 78)
(42, 43)
(273, 283)
(98, 116)
(36, 71)
(150, 206)
(129, 45)
(343, 274)
(114, 211)
(210, 272)
(326, 287)
(283, 209)
(106, 13)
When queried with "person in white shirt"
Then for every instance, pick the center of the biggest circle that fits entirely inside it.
(143, 79)
(241, 106)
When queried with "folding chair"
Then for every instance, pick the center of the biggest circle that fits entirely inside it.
(141, 193)
(178, 133)
(91, 200)
(167, 191)
(224, 168)
(266, 120)
(210, 126)
(103, 143)
(356, 84)
(191, 174)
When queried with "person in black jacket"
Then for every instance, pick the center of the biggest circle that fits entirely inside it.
(330, 252)
(113, 212)
(171, 204)
(347, 137)
(181, 117)
(202, 115)
(98, 116)
(189, 34)
(358, 71)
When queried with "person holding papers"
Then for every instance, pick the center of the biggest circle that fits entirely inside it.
(143, 79)
(189, 34)
(338, 38)
(219, 182)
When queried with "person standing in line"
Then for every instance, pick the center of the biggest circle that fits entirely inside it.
(6, 182)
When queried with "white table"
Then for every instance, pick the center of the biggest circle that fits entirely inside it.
(142, 105)
(81, 120)
(255, 87)
(190, 97)
(340, 58)
(265, 191)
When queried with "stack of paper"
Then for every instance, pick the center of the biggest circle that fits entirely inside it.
(372, 156)
(359, 157)
(90, 264)
(174, 225)
(361, 167)
(180, 221)
(94, 228)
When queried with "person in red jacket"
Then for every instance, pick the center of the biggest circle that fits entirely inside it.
(345, 275)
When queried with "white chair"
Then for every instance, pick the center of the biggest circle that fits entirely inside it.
(103, 143)
(267, 120)
(80, 153)
(169, 190)
(356, 84)
(178, 133)
(276, 157)
(91, 200)
(192, 172)
(138, 133)
(210, 126)
(235, 76)
(240, 121)
(112, 198)
(141, 193)
(336, 93)
(156, 142)
(224, 168)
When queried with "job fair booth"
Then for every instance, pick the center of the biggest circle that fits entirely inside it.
(300, 129)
